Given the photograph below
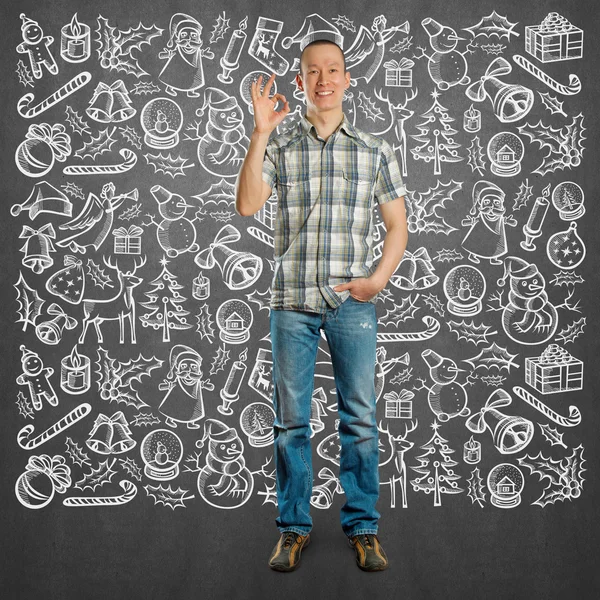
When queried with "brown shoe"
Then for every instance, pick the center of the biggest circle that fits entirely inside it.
(287, 551)
(369, 553)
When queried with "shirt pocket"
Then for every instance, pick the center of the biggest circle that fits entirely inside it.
(294, 192)
(357, 188)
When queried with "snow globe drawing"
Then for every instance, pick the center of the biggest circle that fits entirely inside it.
(464, 287)
(161, 452)
(505, 151)
(161, 120)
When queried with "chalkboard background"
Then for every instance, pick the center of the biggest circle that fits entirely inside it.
(173, 543)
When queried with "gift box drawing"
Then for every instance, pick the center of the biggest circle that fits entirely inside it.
(554, 39)
(554, 371)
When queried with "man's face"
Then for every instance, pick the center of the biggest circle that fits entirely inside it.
(322, 77)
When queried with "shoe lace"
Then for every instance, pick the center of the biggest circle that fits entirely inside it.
(289, 539)
(367, 540)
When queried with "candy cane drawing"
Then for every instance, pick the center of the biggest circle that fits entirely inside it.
(129, 493)
(433, 326)
(28, 112)
(129, 156)
(69, 419)
(573, 419)
(574, 86)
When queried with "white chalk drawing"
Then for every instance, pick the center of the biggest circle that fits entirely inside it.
(94, 222)
(43, 144)
(505, 483)
(27, 111)
(435, 468)
(183, 71)
(446, 66)
(486, 237)
(183, 402)
(37, 47)
(43, 476)
(75, 41)
(189, 90)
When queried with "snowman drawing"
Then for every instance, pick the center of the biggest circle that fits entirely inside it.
(447, 398)
(225, 481)
(528, 318)
(447, 66)
(223, 146)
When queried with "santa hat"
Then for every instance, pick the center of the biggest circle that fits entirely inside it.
(217, 99)
(217, 432)
(315, 28)
(517, 268)
(179, 21)
(27, 354)
(178, 353)
(27, 22)
(485, 189)
(44, 197)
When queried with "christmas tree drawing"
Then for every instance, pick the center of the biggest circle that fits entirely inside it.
(435, 469)
(435, 138)
(164, 302)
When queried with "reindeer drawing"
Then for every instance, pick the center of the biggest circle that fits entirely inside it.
(398, 115)
(399, 445)
(119, 307)
(262, 49)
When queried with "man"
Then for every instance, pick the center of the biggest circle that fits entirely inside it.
(328, 175)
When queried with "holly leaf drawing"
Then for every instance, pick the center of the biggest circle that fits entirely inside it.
(219, 28)
(491, 357)
(401, 312)
(205, 324)
(97, 477)
(525, 192)
(369, 108)
(220, 360)
(135, 369)
(565, 145)
(30, 303)
(78, 125)
(168, 496)
(116, 46)
(493, 24)
(475, 158)
(422, 208)
(222, 192)
(132, 136)
(77, 454)
(475, 487)
(167, 164)
(571, 332)
(73, 190)
(131, 467)
(145, 420)
(435, 304)
(106, 367)
(99, 277)
(24, 74)
(470, 332)
(344, 22)
(565, 476)
(98, 145)
(553, 104)
(24, 405)
(552, 435)
(448, 255)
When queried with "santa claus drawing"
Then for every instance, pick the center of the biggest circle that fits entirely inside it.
(183, 71)
(183, 401)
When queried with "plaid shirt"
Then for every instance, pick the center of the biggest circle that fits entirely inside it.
(324, 225)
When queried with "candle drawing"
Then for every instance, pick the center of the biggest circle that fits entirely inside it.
(472, 120)
(472, 451)
(533, 228)
(230, 392)
(75, 41)
(75, 373)
(230, 60)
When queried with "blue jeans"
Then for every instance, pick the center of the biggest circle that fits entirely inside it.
(351, 332)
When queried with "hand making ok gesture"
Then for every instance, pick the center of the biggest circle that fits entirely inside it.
(266, 118)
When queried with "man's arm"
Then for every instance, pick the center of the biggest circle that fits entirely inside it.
(396, 238)
(251, 191)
